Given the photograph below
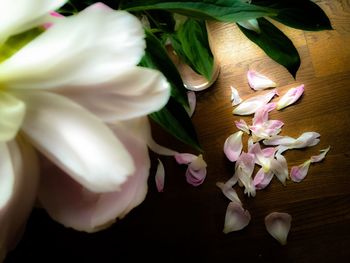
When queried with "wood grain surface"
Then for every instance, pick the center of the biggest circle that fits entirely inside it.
(185, 223)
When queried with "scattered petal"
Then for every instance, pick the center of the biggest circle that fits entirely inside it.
(235, 98)
(243, 171)
(233, 146)
(252, 104)
(160, 176)
(279, 167)
(262, 179)
(236, 218)
(321, 156)
(262, 114)
(258, 81)
(290, 97)
(250, 24)
(278, 225)
(242, 125)
(191, 96)
(196, 171)
(261, 158)
(229, 192)
(307, 139)
(298, 173)
(184, 158)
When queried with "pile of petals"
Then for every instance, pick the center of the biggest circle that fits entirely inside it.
(265, 148)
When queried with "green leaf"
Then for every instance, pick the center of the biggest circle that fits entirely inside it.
(175, 120)
(222, 10)
(190, 42)
(300, 14)
(156, 57)
(275, 44)
(162, 20)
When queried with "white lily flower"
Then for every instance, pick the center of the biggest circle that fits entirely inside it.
(61, 89)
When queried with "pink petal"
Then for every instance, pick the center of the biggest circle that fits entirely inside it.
(279, 167)
(262, 179)
(252, 104)
(278, 225)
(229, 192)
(321, 156)
(262, 114)
(242, 125)
(243, 171)
(258, 81)
(235, 98)
(196, 171)
(298, 173)
(233, 146)
(290, 97)
(266, 130)
(184, 158)
(236, 218)
(160, 176)
(307, 139)
(191, 96)
(54, 16)
(260, 158)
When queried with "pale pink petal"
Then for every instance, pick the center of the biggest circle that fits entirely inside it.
(236, 218)
(235, 98)
(269, 152)
(83, 210)
(290, 97)
(229, 192)
(250, 143)
(233, 146)
(260, 158)
(252, 104)
(160, 176)
(278, 225)
(258, 81)
(191, 96)
(184, 158)
(307, 139)
(243, 171)
(321, 156)
(262, 179)
(266, 130)
(279, 140)
(262, 114)
(196, 171)
(279, 167)
(242, 125)
(54, 15)
(298, 173)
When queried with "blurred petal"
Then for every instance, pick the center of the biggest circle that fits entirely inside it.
(110, 42)
(258, 81)
(12, 111)
(184, 158)
(278, 225)
(298, 173)
(321, 156)
(233, 146)
(262, 114)
(242, 125)
(196, 171)
(160, 176)
(21, 15)
(76, 141)
(191, 96)
(236, 218)
(7, 175)
(252, 104)
(134, 93)
(84, 210)
(250, 24)
(290, 97)
(229, 192)
(235, 98)
(15, 211)
(279, 140)
(262, 179)
(307, 139)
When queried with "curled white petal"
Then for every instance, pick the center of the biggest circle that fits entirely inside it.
(160, 176)
(229, 192)
(235, 98)
(290, 97)
(233, 146)
(321, 156)
(236, 217)
(278, 225)
(258, 81)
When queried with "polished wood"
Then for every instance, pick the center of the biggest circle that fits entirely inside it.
(185, 223)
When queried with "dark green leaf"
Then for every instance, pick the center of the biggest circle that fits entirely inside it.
(156, 57)
(275, 44)
(222, 10)
(190, 42)
(162, 20)
(301, 14)
(175, 120)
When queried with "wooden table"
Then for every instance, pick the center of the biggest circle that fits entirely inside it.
(185, 223)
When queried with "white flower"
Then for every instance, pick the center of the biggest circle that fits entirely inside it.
(76, 94)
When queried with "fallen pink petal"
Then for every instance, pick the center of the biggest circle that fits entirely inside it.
(321, 156)
(243, 171)
(258, 81)
(262, 179)
(229, 192)
(262, 114)
(160, 176)
(290, 97)
(196, 171)
(307, 139)
(298, 173)
(278, 225)
(184, 158)
(233, 146)
(252, 104)
(236, 218)
(242, 125)
(235, 98)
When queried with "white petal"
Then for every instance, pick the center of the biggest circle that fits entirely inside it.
(252, 104)
(236, 218)
(14, 213)
(85, 49)
(20, 15)
(12, 113)
(76, 141)
(278, 225)
(233, 146)
(83, 210)
(134, 93)
(191, 96)
(160, 176)
(258, 81)
(290, 97)
(229, 192)
(7, 175)
(235, 98)
(279, 167)
(250, 24)
(307, 139)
